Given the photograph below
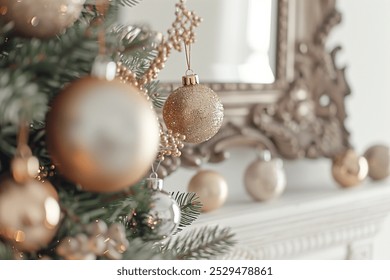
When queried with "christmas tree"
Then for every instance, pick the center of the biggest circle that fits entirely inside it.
(96, 204)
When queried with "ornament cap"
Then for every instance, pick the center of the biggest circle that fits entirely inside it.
(190, 80)
(265, 155)
(155, 184)
(104, 68)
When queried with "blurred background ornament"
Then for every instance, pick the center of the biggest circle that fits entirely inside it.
(211, 188)
(164, 215)
(265, 178)
(349, 169)
(100, 240)
(29, 213)
(40, 18)
(102, 134)
(378, 158)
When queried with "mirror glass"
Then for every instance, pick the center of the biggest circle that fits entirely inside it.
(236, 42)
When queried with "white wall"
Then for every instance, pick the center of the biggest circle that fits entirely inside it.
(365, 37)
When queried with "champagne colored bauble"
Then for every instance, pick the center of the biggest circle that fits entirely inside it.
(29, 213)
(349, 169)
(164, 215)
(211, 188)
(102, 134)
(378, 158)
(265, 179)
(40, 18)
(195, 111)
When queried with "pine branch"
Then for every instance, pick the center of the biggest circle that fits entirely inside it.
(20, 98)
(190, 207)
(5, 252)
(201, 243)
(129, 3)
(141, 250)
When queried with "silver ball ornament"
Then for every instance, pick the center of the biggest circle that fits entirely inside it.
(164, 215)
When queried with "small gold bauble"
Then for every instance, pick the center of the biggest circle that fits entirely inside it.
(211, 188)
(102, 134)
(378, 158)
(40, 18)
(265, 180)
(349, 169)
(29, 213)
(194, 111)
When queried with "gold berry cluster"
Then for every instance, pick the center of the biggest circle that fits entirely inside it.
(182, 31)
(170, 144)
(183, 28)
(127, 76)
(45, 172)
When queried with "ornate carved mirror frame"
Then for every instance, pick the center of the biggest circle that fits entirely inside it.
(302, 113)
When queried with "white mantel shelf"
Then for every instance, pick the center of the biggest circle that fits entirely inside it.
(328, 222)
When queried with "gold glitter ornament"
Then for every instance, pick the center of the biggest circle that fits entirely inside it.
(40, 18)
(349, 169)
(193, 110)
(29, 213)
(102, 134)
(211, 188)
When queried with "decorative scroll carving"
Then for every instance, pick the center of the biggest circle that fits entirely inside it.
(308, 121)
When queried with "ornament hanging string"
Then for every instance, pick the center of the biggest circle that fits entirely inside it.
(22, 147)
(101, 7)
(154, 173)
(187, 51)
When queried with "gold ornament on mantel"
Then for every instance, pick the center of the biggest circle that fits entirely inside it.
(40, 18)
(349, 169)
(378, 158)
(211, 188)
